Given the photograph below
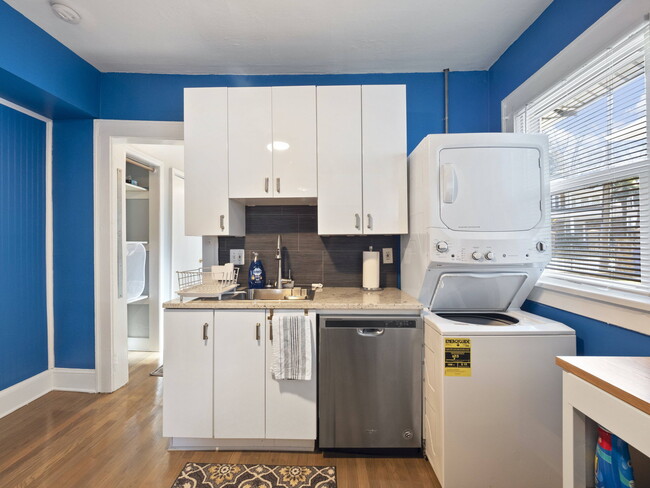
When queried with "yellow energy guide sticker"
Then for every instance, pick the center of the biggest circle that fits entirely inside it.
(458, 357)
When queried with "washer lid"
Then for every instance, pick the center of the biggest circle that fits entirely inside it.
(476, 291)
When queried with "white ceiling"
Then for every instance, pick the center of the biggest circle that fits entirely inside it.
(287, 36)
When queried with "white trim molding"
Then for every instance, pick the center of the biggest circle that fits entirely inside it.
(55, 379)
(110, 348)
(70, 379)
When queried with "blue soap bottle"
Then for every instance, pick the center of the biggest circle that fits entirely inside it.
(256, 274)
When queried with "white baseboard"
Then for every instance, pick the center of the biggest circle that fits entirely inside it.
(25, 392)
(61, 379)
(68, 379)
(204, 444)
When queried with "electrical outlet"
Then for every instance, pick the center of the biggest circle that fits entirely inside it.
(387, 255)
(237, 256)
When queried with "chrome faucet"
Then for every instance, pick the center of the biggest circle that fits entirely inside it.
(278, 257)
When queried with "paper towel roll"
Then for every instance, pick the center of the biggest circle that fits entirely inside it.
(371, 269)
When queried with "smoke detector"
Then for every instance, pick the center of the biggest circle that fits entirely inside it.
(63, 12)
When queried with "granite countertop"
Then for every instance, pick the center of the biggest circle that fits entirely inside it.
(333, 298)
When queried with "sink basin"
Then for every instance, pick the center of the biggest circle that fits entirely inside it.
(296, 293)
(280, 294)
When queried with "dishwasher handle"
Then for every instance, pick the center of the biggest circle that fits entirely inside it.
(370, 332)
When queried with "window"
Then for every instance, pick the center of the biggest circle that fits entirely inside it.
(597, 124)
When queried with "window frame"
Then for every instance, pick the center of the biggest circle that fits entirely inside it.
(624, 306)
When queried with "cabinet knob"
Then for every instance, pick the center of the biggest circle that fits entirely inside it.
(205, 331)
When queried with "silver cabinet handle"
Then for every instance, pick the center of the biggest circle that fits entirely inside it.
(271, 332)
(266, 185)
(277, 184)
(369, 221)
(357, 219)
(257, 331)
(205, 331)
(222, 220)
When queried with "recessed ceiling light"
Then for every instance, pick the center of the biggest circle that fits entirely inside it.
(65, 13)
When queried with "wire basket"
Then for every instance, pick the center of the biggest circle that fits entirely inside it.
(206, 283)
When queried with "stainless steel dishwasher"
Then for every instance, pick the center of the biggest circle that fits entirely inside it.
(370, 382)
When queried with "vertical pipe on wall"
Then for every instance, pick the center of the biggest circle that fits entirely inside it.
(446, 72)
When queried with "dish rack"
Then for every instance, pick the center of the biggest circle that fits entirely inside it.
(204, 283)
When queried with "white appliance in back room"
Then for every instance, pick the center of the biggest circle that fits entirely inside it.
(479, 220)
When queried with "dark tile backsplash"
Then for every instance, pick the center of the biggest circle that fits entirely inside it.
(333, 261)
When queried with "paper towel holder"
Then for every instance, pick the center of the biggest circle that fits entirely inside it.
(364, 288)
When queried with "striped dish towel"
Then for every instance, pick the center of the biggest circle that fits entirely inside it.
(291, 347)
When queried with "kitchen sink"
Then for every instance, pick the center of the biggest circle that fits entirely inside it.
(297, 293)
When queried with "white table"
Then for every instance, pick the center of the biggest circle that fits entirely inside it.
(613, 392)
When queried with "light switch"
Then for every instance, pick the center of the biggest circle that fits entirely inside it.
(237, 256)
(387, 253)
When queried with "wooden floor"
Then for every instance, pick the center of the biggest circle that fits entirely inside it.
(78, 440)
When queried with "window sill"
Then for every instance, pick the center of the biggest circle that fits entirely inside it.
(624, 310)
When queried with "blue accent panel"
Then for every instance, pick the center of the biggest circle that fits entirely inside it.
(72, 195)
(160, 97)
(40, 73)
(554, 29)
(23, 327)
(595, 338)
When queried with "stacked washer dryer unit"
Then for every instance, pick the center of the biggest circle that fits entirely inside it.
(479, 240)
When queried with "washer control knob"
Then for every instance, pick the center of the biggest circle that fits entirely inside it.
(489, 255)
(477, 256)
(540, 246)
(442, 246)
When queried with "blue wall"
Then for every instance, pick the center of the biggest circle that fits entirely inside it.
(39, 73)
(160, 97)
(23, 326)
(596, 338)
(554, 29)
(72, 196)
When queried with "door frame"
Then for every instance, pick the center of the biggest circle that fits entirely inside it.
(107, 133)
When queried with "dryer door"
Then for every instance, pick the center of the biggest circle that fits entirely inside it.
(490, 189)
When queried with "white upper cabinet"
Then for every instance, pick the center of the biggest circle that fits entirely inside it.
(250, 140)
(340, 200)
(383, 132)
(208, 211)
(362, 176)
(294, 141)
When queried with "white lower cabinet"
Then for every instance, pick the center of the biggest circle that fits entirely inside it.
(187, 392)
(222, 388)
(239, 374)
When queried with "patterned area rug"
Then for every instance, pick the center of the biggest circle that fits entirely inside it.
(208, 475)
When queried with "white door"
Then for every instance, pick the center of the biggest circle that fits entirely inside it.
(291, 404)
(294, 141)
(207, 208)
(187, 380)
(339, 160)
(490, 189)
(239, 374)
(250, 142)
(186, 250)
(385, 199)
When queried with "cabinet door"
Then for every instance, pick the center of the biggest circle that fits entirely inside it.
(294, 141)
(187, 383)
(339, 160)
(239, 374)
(207, 208)
(291, 404)
(250, 142)
(385, 199)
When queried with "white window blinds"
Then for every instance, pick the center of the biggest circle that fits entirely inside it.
(597, 124)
